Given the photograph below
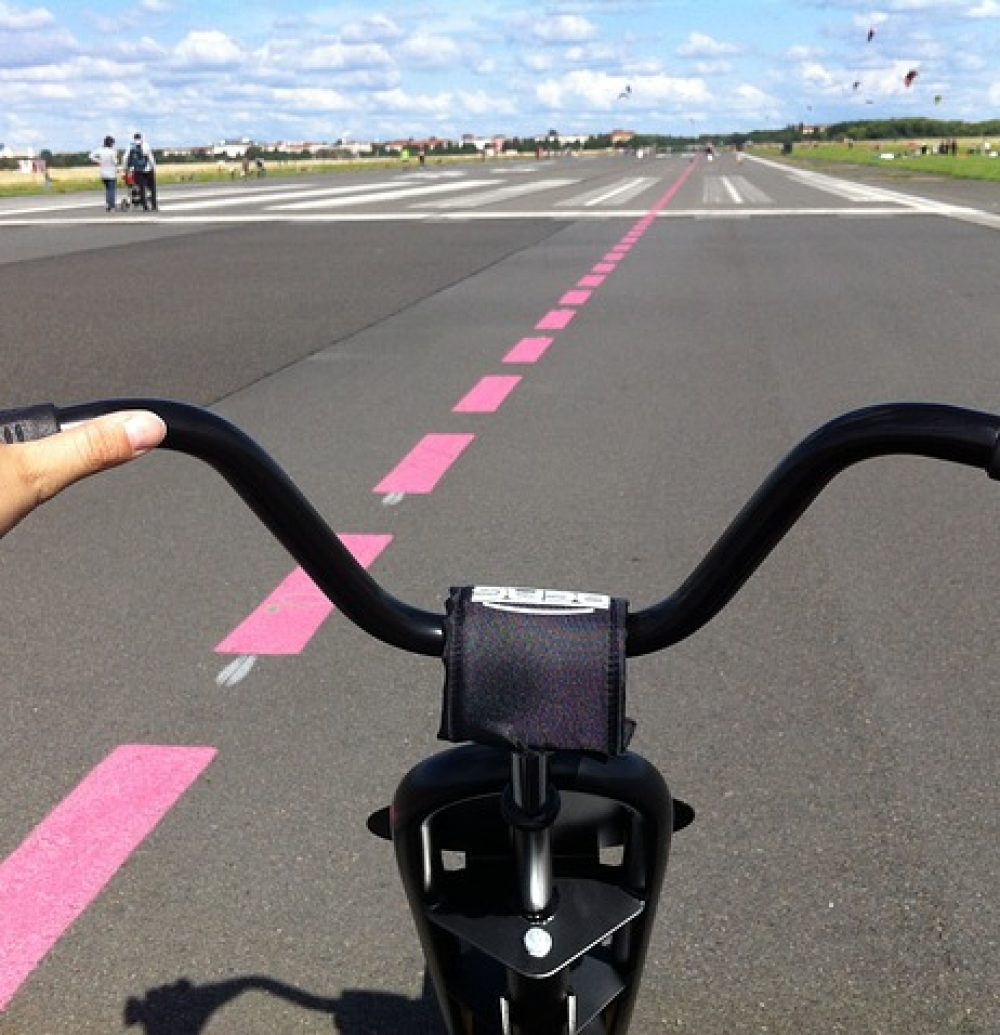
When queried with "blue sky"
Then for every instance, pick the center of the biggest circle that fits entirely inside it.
(196, 71)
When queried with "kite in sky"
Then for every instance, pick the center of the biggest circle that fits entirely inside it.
(909, 77)
(857, 83)
(937, 98)
(627, 92)
(871, 34)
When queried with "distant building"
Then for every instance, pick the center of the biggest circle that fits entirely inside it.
(620, 137)
(187, 152)
(415, 144)
(310, 147)
(566, 139)
(355, 147)
(232, 148)
(6, 151)
(494, 142)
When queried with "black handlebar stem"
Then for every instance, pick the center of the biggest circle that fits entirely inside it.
(920, 429)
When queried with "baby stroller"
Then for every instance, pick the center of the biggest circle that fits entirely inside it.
(132, 198)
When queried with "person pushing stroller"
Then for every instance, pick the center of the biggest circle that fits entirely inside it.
(142, 165)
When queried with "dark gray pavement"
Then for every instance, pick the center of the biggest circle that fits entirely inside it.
(836, 728)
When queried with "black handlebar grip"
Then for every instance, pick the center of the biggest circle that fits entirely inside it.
(28, 423)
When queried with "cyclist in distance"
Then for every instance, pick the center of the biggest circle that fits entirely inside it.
(33, 472)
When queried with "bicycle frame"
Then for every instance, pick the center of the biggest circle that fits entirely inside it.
(533, 882)
(533, 878)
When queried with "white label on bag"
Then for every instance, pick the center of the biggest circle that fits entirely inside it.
(524, 600)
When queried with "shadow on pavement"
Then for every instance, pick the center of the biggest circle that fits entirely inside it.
(184, 1008)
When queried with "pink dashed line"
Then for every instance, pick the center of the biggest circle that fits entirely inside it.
(288, 618)
(424, 466)
(528, 350)
(555, 320)
(74, 852)
(488, 395)
(605, 267)
(591, 280)
(575, 298)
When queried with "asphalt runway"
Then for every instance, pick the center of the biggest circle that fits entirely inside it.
(836, 728)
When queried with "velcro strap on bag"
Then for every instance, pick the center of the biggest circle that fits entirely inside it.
(533, 669)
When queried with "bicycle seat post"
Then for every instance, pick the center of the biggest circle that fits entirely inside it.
(531, 816)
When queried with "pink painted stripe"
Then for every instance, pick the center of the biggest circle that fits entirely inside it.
(288, 618)
(575, 297)
(528, 350)
(488, 395)
(605, 267)
(671, 193)
(74, 852)
(424, 466)
(614, 256)
(591, 280)
(555, 320)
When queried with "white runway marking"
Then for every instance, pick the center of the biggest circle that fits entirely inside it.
(379, 195)
(749, 192)
(244, 197)
(236, 671)
(731, 190)
(620, 192)
(497, 194)
(911, 202)
(469, 215)
(172, 196)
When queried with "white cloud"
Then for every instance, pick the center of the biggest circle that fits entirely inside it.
(431, 51)
(994, 94)
(538, 62)
(819, 77)
(752, 100)
(591, 53)
(312, 99)
(28, 49)
(375, 29)
(480, 103)
(208, 48)
(28, 94)
(986, 9)
(802, 52)
(698, 44)
(18, 18)
(599, 90)
(870, 21)
(710, 68)
(336, 56)
(564, 28)
(141, 49)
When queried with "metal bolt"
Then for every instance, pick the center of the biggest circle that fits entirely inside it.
(538, 942)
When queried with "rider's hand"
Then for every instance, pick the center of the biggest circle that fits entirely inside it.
(33, 472)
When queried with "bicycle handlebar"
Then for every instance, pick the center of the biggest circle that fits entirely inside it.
(918, 429)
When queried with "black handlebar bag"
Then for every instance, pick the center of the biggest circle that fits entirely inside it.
(535, 670)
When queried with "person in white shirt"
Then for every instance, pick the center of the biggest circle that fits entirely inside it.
(140, 158)
(107, 158)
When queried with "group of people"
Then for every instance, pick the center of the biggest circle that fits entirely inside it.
(139, 165)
